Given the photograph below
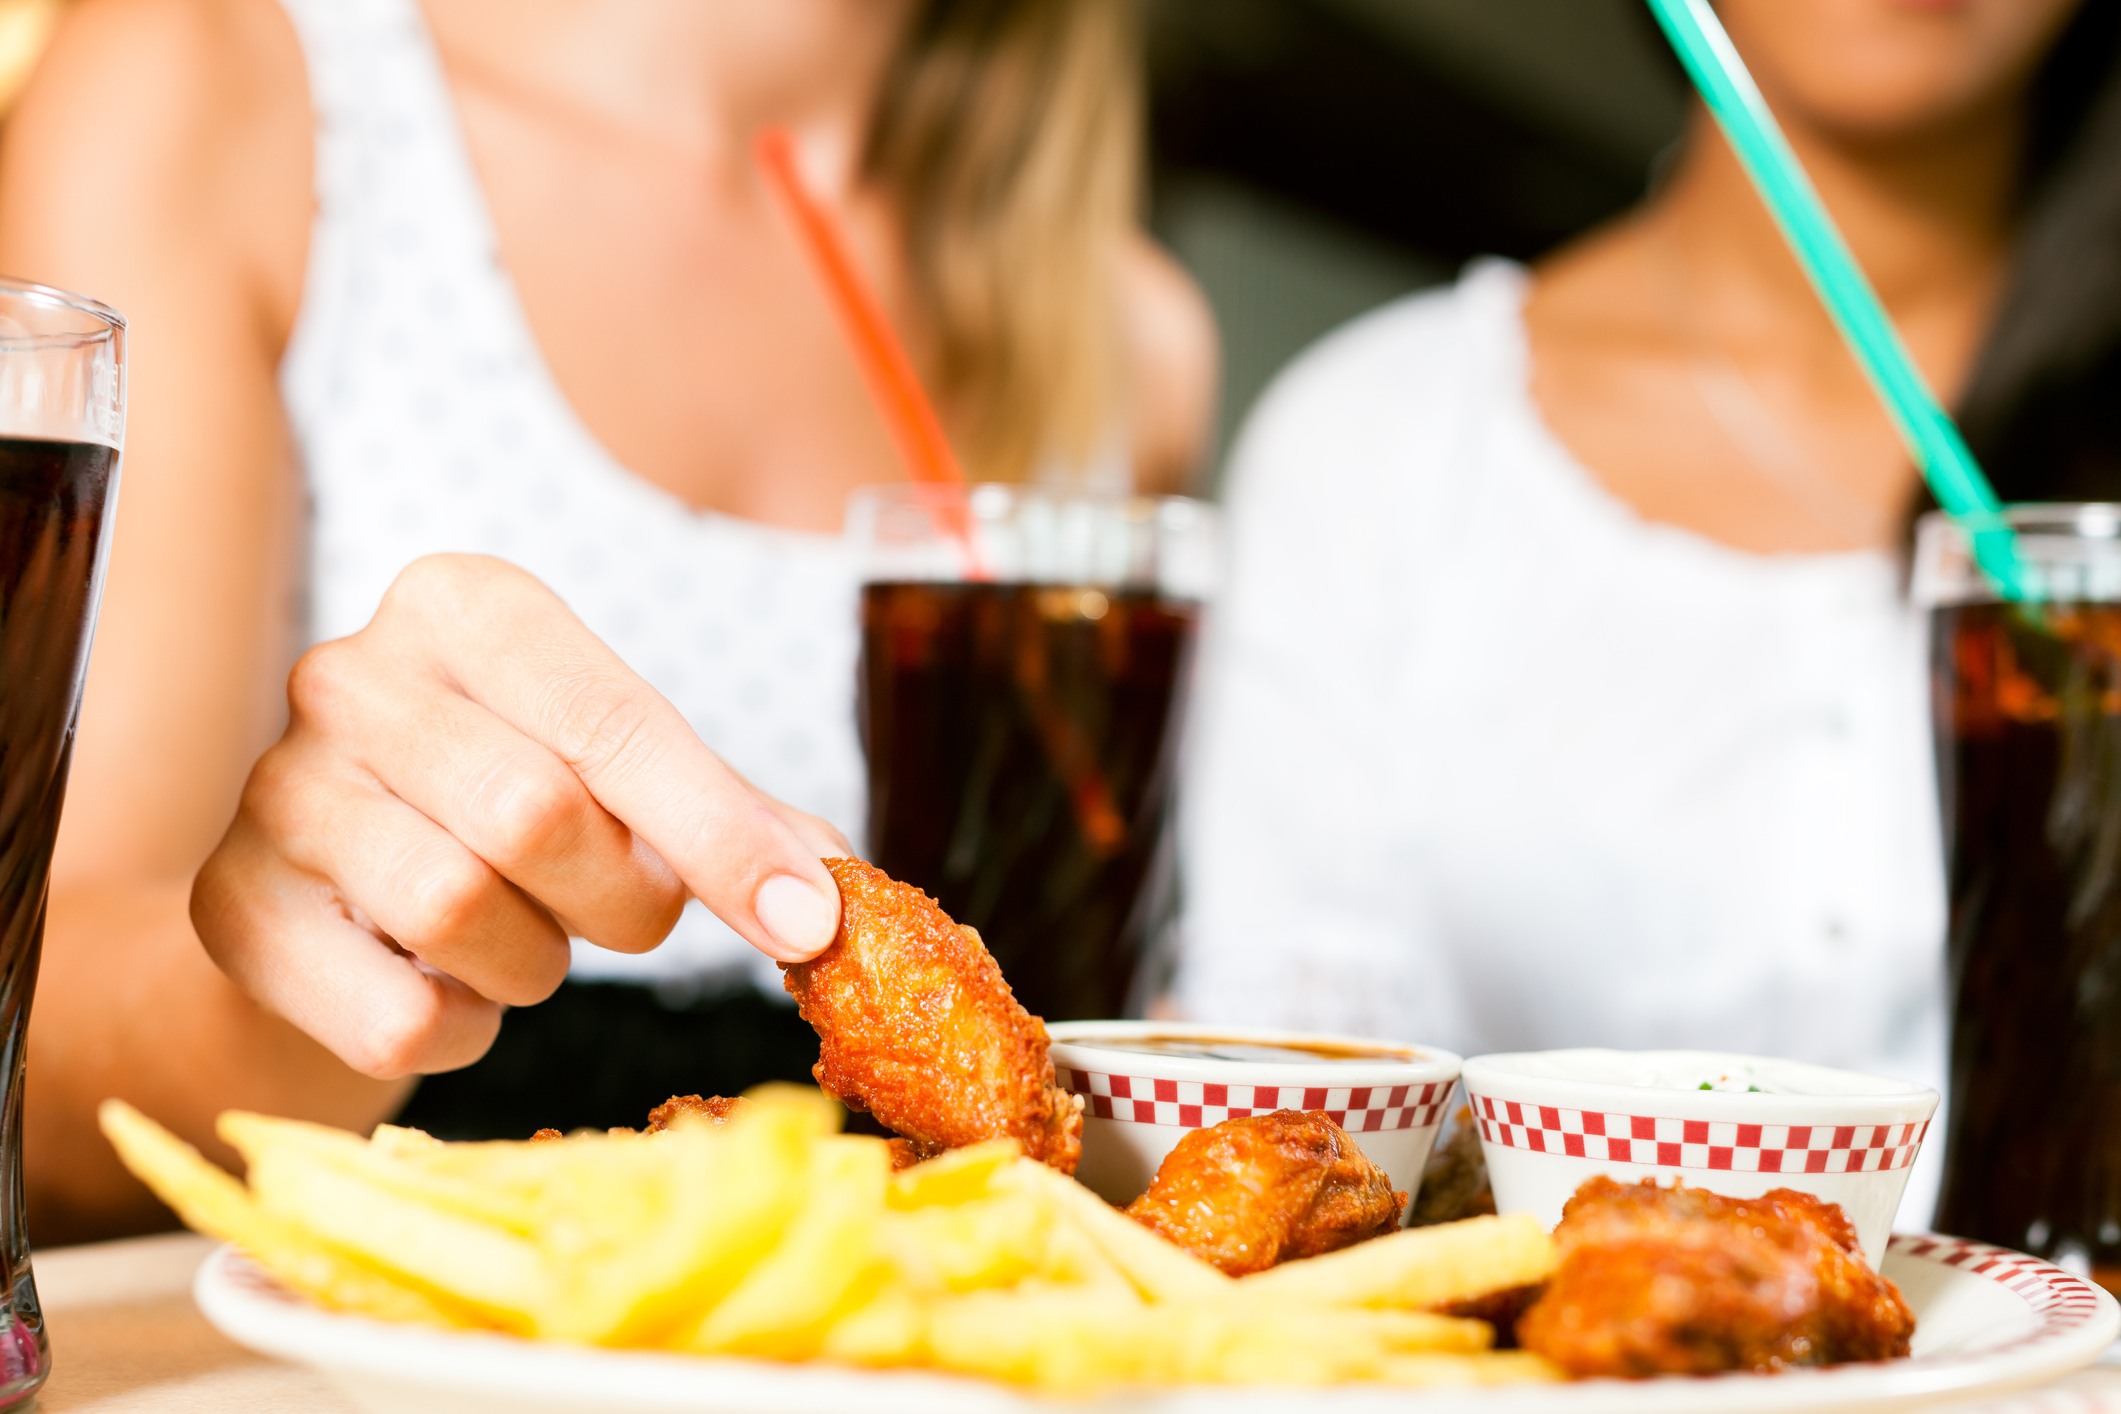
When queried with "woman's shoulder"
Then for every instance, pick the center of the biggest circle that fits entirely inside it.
(1173, 358)
(178, 125)
(1392, 384)
(203, 69)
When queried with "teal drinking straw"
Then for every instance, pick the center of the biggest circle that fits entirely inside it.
(1928, 431)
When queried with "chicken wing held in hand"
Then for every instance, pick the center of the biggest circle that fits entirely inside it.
(917, 1027)
(1251, 1192)
(1657, 1281)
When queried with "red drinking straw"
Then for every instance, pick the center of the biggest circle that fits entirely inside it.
(894, 387)
(908, 415)
(918, 435)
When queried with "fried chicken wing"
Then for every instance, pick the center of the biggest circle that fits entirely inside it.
(1657, 1281)
(1251, 1192)
(917, 1027)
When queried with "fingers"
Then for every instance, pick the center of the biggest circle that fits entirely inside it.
(508, 805)
(511, 647)
(463, 784)
(418, 886)
(289, 941)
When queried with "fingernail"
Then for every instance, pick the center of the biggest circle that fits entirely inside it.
(799, 919)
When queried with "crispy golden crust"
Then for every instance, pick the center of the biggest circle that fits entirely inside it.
(1500, 1309)
(1454, 1181)
(1252, 1192)
(1657, 1281)
(917, 1026)
(716, 1110)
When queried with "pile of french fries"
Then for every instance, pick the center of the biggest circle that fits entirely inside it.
(776, 1236)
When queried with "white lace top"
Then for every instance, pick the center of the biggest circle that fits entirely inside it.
(428, 421)
(1487, 761)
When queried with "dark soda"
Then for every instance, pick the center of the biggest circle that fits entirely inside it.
(1021, 741)
(2028, 707)
(56, 499)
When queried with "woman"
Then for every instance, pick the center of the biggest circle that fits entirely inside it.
(497, 276)
(1567, 692)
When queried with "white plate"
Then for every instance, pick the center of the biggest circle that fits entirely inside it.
(1988, 1321)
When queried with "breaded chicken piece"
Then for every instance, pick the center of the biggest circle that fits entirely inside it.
(917, 1027)
(1454, 1181)
(1249, 1193)
(716, 1110)
(1671, 1281)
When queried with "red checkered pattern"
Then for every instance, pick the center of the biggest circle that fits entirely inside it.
(2062, 1300)
(1699, 1143)
(1192, 1104)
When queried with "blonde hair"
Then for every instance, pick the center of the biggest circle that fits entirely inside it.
(1009, 134)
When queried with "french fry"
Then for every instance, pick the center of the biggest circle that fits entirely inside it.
(1056, 1338)
(808, 1107)
(500, 1274)
(773, 1236)
(1246, 1341)
(890, 1328)
(956, 1176)
(1423, 1266)
(1063, 1339)
(399, 1141)
(1159, 1270)
(1072, 1259)
(213, 1202)
(994, 1241)
(1499, 1367)
(725, 1199)
(826, 1265)
(393, 1165)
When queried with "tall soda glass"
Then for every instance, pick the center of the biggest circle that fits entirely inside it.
(1026, 652)
(62, 425)
(2027, 700)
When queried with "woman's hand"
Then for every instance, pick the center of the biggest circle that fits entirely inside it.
(463, 785)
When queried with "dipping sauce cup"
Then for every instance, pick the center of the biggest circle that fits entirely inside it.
(1735, 1125)
(1147, 1084)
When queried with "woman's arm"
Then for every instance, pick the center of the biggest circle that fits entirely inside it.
(160, 161)
(461, 787)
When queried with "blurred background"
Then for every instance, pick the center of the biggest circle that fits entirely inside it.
(1314, 158)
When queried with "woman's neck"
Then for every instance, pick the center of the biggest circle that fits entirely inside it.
(1685, 360)
(1929, 220)
(702, 77)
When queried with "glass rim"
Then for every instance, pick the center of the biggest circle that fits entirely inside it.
(2088, 520)
(52, 297)
(929, 493)
(2058, 552)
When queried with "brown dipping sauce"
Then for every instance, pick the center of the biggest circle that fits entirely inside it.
(1233, 1049)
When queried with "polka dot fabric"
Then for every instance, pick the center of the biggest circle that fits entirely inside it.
(428, 421)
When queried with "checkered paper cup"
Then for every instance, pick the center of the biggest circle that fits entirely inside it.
(1138, 1105)
(1551, 1119)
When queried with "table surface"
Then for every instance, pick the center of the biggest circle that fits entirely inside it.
(126, 1339)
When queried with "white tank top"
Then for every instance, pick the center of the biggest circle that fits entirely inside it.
(427, 421)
